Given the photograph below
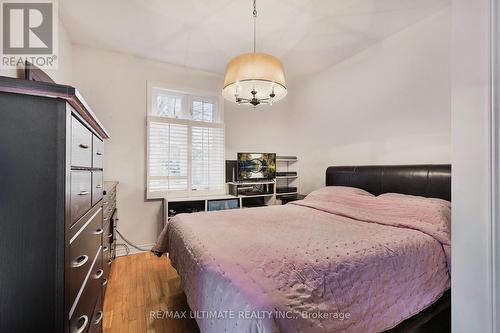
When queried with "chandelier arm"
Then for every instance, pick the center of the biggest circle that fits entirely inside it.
(242, 99)
(248, 102)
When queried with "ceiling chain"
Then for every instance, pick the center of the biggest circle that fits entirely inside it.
(254, 26)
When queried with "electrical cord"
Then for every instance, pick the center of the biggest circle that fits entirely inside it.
(130, 243)
(127, 249)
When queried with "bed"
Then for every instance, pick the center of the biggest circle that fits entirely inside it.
(365, 254)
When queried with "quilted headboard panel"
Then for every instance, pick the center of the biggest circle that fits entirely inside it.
(427, 180)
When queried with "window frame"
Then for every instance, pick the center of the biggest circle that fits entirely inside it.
(188, 96)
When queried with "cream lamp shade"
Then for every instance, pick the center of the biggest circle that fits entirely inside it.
(254, 78)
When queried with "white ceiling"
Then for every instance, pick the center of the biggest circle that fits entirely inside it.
(308, 35)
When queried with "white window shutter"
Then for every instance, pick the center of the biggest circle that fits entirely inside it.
(207, 150)
(168, 157)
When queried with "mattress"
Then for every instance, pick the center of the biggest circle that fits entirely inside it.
(304, 267)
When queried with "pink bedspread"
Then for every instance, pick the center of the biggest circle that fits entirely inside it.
(345, 264)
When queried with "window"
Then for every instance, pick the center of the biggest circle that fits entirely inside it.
(186, 144)
(168, 106)
(202, 110)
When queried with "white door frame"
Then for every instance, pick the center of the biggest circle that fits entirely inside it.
(495, 160)
(475, 164)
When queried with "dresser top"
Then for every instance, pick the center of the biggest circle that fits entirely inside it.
(45, 89)
(109, 185)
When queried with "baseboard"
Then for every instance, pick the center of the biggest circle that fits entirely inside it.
(120, 250)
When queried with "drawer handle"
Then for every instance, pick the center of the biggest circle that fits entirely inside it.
(106, 218)
(105, 203)
(104, 282)
(100, 272)
(80, 261)
(83, 193)
(110, 235)
(99, 318)
(98, 153)
(98, 186)
(105, 249)
(84, 320)
(99, 231)
(110, 261)
(84, 146)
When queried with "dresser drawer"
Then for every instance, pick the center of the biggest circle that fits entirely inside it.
(110, 196)
(106, 249)
(97, 153)
(83, 247)
(96, 322)
(81, 312)
(105, 240)
(106, 216)
(108, 205)
(81, 193)
(107, 260)
(107, 269)
(81, 145)
(108, 210)
(97, 186)
(108, 257)
(109, 235)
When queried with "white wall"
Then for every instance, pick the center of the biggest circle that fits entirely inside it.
(261, 129)
(64, 73)
(115, 86)
(472, 282)
(389, 104)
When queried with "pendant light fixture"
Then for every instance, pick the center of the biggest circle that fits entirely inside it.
(254, 78)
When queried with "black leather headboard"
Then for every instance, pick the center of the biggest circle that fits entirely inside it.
(428, 180)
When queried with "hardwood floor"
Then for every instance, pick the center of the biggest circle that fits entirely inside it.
(139, 284)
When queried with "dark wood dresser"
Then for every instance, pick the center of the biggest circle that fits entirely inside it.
(110, 214)
(51, 204)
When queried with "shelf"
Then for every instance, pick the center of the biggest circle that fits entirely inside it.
(257, 206)
(202, 198)
(289, 177)
(286, 160)
(288, 193)
(286, 157)
(253, 183)
(256, 196)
